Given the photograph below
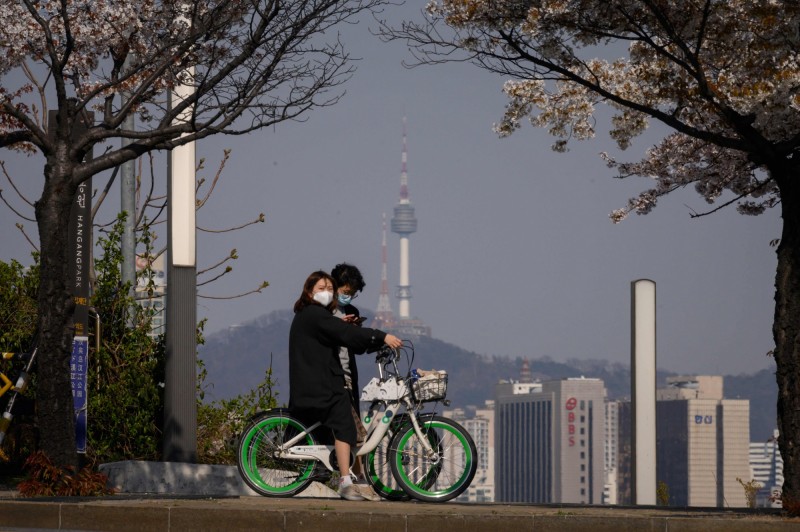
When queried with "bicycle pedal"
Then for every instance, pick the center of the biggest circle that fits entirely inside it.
(321, 475)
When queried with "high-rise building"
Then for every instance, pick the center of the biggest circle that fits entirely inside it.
(702, 443)
(549, 441)
(766, 467)
(479, 422)
(624, 453)
(150, 291)
(611, 452)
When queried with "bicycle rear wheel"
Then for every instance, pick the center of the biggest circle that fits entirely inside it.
(378, 468)
(439, 477)
(257, 458)
(379, 474)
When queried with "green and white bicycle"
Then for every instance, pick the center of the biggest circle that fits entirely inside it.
(409, 453)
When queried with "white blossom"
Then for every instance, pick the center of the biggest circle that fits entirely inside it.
(725, 75)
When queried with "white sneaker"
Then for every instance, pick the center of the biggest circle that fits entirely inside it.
(350, 493)
(366, 491)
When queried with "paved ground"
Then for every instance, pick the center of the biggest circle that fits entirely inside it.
(165, 513)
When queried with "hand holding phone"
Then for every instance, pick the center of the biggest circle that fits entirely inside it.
(355, 320)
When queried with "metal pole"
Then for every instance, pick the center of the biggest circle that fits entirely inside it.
(128, 202)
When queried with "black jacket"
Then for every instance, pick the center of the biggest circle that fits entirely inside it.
(315, 374)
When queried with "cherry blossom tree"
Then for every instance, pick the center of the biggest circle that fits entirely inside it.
(250, 64)
(724, 75)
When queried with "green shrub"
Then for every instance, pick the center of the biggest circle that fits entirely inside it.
(124, 392)
(125, 377)
(220, 423)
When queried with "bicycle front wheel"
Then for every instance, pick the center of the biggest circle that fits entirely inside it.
(378, 466)
(436, 477)
(259, 465)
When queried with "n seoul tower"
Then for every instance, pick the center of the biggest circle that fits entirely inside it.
(404, 223)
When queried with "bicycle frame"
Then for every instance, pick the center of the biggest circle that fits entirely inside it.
(378, 427)
(396, 395)
(409, 452)
(19, 387)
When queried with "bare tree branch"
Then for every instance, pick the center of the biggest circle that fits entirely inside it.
(261, 218)
(254, 291)
(22, 230)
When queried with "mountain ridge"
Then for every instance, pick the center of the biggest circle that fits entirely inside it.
(237, 358)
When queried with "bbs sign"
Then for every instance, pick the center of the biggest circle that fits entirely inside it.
(569, 406)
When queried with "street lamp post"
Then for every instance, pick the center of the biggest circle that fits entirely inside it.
(180, 407)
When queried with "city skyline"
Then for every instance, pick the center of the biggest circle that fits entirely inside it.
(562, 440)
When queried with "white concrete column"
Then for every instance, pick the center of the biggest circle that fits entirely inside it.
(643, 391)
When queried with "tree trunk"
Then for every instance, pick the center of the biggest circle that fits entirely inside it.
(55, 409)
(786, 331)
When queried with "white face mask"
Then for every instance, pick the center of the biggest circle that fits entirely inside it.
(323, 298)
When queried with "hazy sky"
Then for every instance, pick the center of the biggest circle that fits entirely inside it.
(514, 255)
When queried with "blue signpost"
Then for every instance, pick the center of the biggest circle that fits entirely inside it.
(78, 364)
(80, 238)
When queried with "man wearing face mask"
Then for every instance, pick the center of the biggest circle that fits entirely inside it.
(350, 282)
(316, 379)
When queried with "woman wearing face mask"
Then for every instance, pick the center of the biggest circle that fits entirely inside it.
(316, 379)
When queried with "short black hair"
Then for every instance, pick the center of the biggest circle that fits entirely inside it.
(347, 274)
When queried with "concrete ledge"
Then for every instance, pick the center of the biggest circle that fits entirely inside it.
(172, 497)
(156, 514)
(177, 478)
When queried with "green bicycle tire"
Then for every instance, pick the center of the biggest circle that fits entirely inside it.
(378, 467)
(428, 480)
(258, 466)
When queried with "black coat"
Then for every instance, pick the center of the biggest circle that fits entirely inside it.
(316, 378)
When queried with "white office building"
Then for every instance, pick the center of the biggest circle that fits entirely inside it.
(766, 466)
(610, 452)
(549, 441)
(702, 443)
(480, 425)
(151, 291)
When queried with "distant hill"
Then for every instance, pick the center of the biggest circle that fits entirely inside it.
(236, 360)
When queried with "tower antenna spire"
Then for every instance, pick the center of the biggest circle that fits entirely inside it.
(403, 169)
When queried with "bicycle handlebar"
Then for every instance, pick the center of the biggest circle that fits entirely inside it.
(387, 354)
(16, 356)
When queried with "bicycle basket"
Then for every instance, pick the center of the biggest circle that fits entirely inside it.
(430, 388)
